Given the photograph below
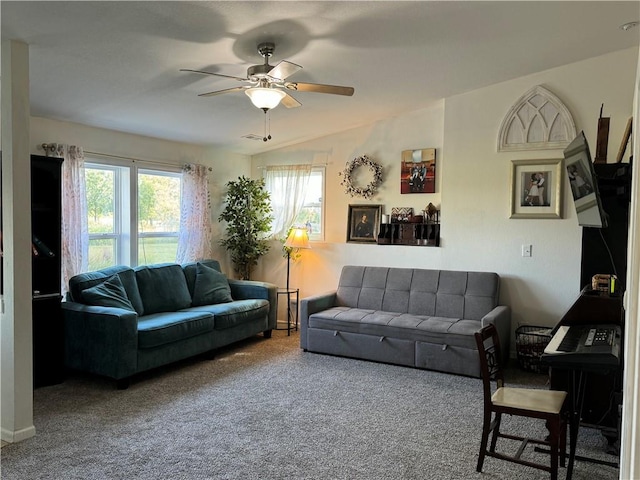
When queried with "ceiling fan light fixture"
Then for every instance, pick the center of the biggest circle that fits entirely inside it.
(265, 98)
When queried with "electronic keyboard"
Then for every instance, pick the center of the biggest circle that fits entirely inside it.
(584, 345)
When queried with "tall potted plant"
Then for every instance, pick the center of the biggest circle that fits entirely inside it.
(247, 213)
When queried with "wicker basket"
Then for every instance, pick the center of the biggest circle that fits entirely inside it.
(530, 343)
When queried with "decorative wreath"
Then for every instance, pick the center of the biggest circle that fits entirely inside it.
(367, 191)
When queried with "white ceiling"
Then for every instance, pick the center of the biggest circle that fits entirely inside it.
(116, 64)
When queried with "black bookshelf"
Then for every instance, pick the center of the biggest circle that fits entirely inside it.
(46, 247)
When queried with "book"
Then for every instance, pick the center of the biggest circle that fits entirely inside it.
(42, 248)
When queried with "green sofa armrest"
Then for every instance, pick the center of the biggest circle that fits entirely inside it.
(311, 305)
(501, 318)
(101, 340)
(251, 289)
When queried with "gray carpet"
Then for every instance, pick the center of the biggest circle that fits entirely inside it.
(264, 409)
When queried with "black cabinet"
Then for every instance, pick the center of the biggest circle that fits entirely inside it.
(46, 225)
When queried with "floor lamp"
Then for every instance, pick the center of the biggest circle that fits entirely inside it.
(298, 238)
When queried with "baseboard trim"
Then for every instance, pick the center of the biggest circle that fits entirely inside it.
(18, 435)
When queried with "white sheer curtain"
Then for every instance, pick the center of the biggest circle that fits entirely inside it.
(75, 234)
(194, 240)
(286, 185)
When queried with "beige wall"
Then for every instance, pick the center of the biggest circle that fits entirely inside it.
(473, 189)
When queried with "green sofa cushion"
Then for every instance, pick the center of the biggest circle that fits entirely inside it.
(108, 294)
(83, 281)
(238, 312)
(190, 272)
(211, 287)
(163, 288)
(170, 327)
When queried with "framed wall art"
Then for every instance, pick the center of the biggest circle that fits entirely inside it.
(418, 171)
(364, 223)
(536, 188)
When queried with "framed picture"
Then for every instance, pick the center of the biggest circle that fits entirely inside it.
(418, 171)
(536, 188)
(364, 223)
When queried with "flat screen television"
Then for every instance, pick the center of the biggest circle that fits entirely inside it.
(584, 184)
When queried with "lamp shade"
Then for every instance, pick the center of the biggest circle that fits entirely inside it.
(298, 238)
(265, 98)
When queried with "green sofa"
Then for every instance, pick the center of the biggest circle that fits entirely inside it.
(120, 321)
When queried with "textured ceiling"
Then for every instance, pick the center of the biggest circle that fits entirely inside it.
(116, 64)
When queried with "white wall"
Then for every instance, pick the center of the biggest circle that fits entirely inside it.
(473, 189)
(225, 165)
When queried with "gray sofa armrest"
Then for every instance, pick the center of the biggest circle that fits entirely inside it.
(311, 305)
(501, 318)
(102, 340)
(251, 289)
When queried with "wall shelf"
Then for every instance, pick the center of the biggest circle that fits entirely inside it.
(425, 234)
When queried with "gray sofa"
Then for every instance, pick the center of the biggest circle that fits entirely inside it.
(121, 321)
(415, 317)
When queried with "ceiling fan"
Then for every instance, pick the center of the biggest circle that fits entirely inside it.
(267, 83)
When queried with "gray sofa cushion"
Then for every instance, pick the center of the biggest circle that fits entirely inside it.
(442, 293)
(108, 294)
(441, 330)
(127, 276)
(163, 288)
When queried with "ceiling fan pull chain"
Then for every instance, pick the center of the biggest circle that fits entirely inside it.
(267, 124)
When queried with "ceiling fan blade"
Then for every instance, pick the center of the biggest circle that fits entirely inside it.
(283, 70)
(290, 102)
(219, 92)
(216, 74)
(320, 88)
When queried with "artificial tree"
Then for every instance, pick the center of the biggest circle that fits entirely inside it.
(247, 213)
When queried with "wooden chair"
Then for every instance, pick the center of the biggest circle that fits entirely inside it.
(525, 402)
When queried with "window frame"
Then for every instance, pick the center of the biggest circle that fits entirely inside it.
(126, 202)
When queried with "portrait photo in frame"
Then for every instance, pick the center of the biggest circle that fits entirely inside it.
(364, 223)
(418, 171)
(536, 188)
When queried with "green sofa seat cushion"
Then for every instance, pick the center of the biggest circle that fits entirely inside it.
(211, 287)
(238, 312)
(163, 288)
(168, 327)
(110, 293)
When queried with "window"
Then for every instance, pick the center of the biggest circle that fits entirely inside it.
(296, 188)
(133, 215)
(312, 213)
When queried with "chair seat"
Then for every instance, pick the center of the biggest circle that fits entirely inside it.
(547, 401)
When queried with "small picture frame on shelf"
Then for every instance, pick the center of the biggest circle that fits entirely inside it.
(401, 214)
(363, 223)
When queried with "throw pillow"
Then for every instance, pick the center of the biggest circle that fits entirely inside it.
(108, 294)
(211, 287)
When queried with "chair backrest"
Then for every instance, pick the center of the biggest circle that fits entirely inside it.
(488, 344)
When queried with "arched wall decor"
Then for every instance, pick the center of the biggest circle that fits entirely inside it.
(537, 121)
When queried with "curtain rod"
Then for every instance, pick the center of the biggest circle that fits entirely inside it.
(53, 146)
(153, 162)
(263, 167)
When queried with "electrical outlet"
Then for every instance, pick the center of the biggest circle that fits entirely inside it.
(526, 250)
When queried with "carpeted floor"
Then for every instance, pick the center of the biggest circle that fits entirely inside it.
(264, 409)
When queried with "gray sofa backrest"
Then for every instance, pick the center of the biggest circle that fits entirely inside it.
(440, 293)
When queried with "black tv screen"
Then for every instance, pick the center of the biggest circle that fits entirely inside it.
(584, 184)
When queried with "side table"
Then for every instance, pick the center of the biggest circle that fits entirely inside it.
(292, 317)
